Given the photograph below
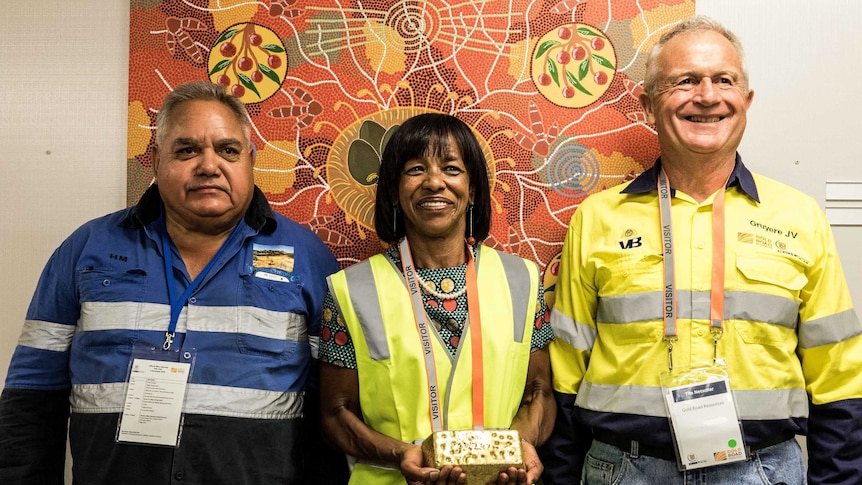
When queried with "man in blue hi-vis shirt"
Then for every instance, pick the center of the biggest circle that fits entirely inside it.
(175, 337)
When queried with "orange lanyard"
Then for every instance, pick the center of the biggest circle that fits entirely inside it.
(716, 294)
(424, 330)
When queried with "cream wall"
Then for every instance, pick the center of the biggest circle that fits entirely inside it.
(62, 132)
(805, 61)
(63, 119)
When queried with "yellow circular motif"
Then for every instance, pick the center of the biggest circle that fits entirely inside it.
(447, 285)
(573, 65)
(249, 60)
(430, 287)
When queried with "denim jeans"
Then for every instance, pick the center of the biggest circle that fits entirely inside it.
(778, 464)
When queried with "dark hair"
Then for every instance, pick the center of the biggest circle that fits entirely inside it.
(421, 135)
(199, 91)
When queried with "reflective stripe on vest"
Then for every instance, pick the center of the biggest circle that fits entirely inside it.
(364, 291)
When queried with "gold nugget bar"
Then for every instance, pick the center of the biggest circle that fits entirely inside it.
(482, 454)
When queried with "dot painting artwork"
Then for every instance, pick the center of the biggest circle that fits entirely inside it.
(549, 87)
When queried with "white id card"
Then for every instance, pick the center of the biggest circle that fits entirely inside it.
(704, 420)
(154, 402)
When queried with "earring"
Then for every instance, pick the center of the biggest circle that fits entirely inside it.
(395, 211)
(470, 239)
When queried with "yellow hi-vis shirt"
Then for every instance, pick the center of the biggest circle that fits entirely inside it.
(393, 385)
(790, 331)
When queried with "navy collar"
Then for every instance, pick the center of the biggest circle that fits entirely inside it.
(259, 215)
(740, 176)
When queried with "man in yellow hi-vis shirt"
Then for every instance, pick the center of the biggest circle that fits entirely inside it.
(702, 316)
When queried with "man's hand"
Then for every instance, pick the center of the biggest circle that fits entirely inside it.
(522, 476)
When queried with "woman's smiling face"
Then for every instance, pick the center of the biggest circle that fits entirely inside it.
(434, 192)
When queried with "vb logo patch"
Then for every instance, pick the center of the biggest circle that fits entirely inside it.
(630, 240)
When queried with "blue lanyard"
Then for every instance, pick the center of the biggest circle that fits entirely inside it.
(177, 304)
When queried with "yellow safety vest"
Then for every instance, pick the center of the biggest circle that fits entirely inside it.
(393, 384)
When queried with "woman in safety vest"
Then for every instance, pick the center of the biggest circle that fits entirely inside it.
(438, 332)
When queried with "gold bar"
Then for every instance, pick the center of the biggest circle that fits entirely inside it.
(482, 454)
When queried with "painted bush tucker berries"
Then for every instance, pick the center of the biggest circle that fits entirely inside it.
(249, 60)
(245, 63)
(573, 64)
(227, 49)
(579, 53)
(600, 78)
(563, 57)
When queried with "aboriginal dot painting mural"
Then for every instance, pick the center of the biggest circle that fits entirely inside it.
(550, 88)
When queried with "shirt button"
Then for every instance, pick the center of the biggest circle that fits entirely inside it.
(106, 282)
(700, 332)
(700, 245)
(178, 475)
(193, 300)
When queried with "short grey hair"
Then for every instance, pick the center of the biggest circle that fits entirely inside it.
(199, 91)
(691, 24)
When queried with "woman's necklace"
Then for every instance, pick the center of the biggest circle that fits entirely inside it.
(430, 288)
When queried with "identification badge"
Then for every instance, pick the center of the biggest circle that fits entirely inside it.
(703, 417)
(152, 410)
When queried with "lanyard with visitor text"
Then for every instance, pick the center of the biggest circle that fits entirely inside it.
(425, 336)
(177, 304)
(716, 294)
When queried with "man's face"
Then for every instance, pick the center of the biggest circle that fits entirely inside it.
(701, 105)
(204, 169)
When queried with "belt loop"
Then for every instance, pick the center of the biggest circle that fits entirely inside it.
(633, 449)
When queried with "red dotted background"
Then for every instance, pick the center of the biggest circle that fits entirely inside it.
(356, 69)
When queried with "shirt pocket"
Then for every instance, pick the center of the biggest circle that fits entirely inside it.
(766, 271)
(630, 273)
(111, 307)
(623, 317)
(272, 319)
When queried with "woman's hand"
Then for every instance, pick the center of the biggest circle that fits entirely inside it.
(416, 474)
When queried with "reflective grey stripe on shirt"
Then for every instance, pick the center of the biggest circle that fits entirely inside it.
(200, 399)
(46, 335)
(647, 401)
(578, 335)
(829, 330)
(738, 305)
(232, 319)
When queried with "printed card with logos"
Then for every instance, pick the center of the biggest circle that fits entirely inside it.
(703, 418)
(154, 402)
